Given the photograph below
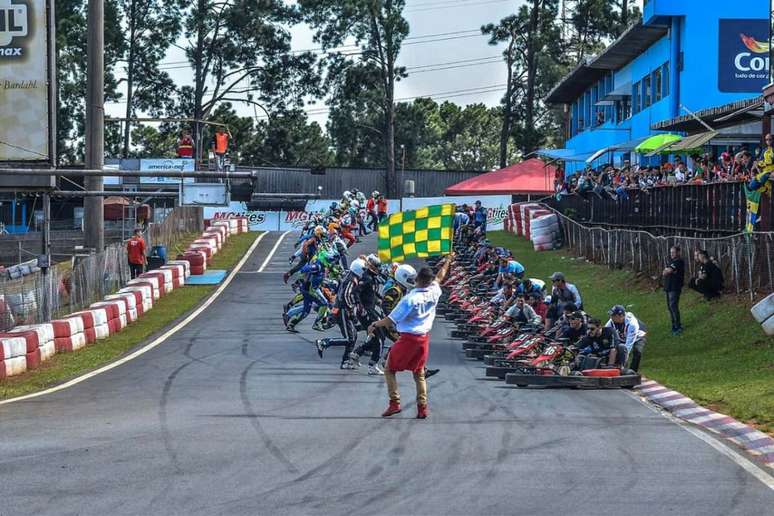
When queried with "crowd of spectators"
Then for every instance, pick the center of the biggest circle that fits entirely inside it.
(615, 182)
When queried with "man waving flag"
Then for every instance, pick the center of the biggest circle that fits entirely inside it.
(416, 233)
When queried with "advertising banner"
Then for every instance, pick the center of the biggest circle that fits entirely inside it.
(496, 205)
(24, 131)
(157, 165)
(744, 55)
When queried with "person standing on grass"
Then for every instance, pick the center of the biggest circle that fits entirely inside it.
(135, 250)
(413, 317)
(674, 275)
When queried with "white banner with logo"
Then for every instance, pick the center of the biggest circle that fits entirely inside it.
(23, 81)
(259, 220)
(496, 206)
(158, 165)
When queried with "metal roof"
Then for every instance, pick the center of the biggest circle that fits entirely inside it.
(633, 42)
(716, 117)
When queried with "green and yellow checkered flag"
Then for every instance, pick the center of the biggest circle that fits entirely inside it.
(416, 233)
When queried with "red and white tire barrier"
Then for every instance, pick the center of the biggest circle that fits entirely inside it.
(101, 326)
(197, 260)
(143, 296)
(116, 311)
(244, 226)
(157, 278)
(131, 305)
(207, 242)
(216, 235)
(45, 343)
(178, 274)
(755, 442)
(13, 355)
(185, 264)
(221, 230)
(147, 282)
(87, 319)
(69, 334)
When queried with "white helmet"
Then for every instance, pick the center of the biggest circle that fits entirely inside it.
(357, 267)
(406, 275)
(375, 194)
(347, 194)
(374, 261)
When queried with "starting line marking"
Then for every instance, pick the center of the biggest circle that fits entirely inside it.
(153, 344)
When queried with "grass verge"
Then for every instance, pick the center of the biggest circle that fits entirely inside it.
(65, 366)
(723, 359)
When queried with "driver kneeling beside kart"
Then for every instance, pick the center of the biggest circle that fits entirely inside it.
(599, 347)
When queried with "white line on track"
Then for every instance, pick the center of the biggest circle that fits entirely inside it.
(273, 250)
(156, 342)
(741, 461)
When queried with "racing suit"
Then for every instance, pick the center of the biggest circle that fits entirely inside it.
(312, 294)
(308, 250)
(374, 344)
(346, 304)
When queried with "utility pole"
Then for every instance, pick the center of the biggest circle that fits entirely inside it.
(93, 207)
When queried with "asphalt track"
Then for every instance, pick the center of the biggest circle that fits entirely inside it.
(232, 415)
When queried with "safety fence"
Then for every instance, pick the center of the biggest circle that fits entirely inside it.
(747, 261)
(715, 209)
(64, 288)
(180, 223)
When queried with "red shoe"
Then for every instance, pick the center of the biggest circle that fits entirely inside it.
(422, 412)
(392, 409)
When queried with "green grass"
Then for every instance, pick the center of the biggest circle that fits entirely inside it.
(723, 359)
(167, 310)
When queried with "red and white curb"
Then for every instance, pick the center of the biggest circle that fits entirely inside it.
(755, 442)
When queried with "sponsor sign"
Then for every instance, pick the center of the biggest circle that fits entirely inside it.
(24, 115)
(496, 206)
(157, 165)
(744, 55)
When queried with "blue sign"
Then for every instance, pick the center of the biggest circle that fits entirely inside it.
(744, 55)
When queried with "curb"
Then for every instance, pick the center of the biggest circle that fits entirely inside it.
(755, 442)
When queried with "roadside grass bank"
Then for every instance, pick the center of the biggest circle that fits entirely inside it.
(167, 310)
(722, 360)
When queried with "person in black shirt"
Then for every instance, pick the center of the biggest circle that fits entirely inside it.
(576, 329)
(674, 275)
(709, 278)
(602, 342)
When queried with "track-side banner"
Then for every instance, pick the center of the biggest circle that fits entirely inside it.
(496, 205)
(24, 103)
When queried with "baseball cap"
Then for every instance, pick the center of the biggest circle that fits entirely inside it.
(617, 310)
(557, 276)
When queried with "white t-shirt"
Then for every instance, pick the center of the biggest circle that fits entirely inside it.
(415, 312)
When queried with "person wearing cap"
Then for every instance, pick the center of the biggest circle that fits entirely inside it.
(575, 328)
(561, 294)
(413, 317)
(509, 268)
(479, 217)
(135, 250)
(631, 333)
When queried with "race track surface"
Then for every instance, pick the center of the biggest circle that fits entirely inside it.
(232, 415)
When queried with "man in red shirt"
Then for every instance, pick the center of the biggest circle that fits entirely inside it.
(381, 207)
(135, 249)
(185, 146)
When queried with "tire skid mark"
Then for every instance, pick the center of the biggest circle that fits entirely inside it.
(256, 422)
(163, 403)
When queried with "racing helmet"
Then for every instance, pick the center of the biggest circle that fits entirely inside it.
(316, 267)
(347, 194)
(319, 231)
(357, 267)
(406, 275)
(334, 206)
(375, 194)
(373, 261)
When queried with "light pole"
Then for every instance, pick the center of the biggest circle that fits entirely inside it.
(402, 169)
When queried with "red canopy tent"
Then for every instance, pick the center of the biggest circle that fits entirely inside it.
(531, 177)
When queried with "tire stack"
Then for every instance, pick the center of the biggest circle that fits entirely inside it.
(69, 334)
(150, 283)
(112, 319)
(87, 320)
(159, 279)
(763, 312)
(130, 305)
(196, 259)
(545, 232)
(13, 355)
(185, 264)
(45, 343)
(140, 298)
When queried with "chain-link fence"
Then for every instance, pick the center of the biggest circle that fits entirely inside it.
(84, 279)
(747, 261)
(66, 287)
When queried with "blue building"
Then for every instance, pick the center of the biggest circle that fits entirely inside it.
(686, 58)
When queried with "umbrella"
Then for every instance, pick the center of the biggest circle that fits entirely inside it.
(657, 142)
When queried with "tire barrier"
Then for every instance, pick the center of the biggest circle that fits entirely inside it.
(207, 251)
(178, 274)
(185, 264)
(158, 279)
(142, 293)
(69, 334)
(535, 222)
(215, 235)
(149, 283)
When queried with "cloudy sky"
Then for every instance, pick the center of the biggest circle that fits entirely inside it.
(447, 57)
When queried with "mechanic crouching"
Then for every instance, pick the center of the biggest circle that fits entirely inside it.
(600, 345)
(631, 333)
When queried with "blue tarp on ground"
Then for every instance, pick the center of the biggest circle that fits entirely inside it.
(210, 277)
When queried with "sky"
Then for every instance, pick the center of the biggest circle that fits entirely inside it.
(459, 65)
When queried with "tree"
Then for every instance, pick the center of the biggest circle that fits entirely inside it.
(242, 47)
(71, 76)
(378, 28)
(532, 60)
(151, 27)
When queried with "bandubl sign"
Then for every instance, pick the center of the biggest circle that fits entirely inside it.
(744, 55)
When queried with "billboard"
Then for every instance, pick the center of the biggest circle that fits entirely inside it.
(24, 94)
(157, 165)
(744, 55)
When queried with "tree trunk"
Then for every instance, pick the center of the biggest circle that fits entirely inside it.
(624, 15)
(130, 79)
(529, 116)
(394, 185)
(199, 85)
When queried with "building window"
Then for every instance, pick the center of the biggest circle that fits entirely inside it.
(636, 98)
(623, 109)
(647, 91)
(665, 79)
(657, 86)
